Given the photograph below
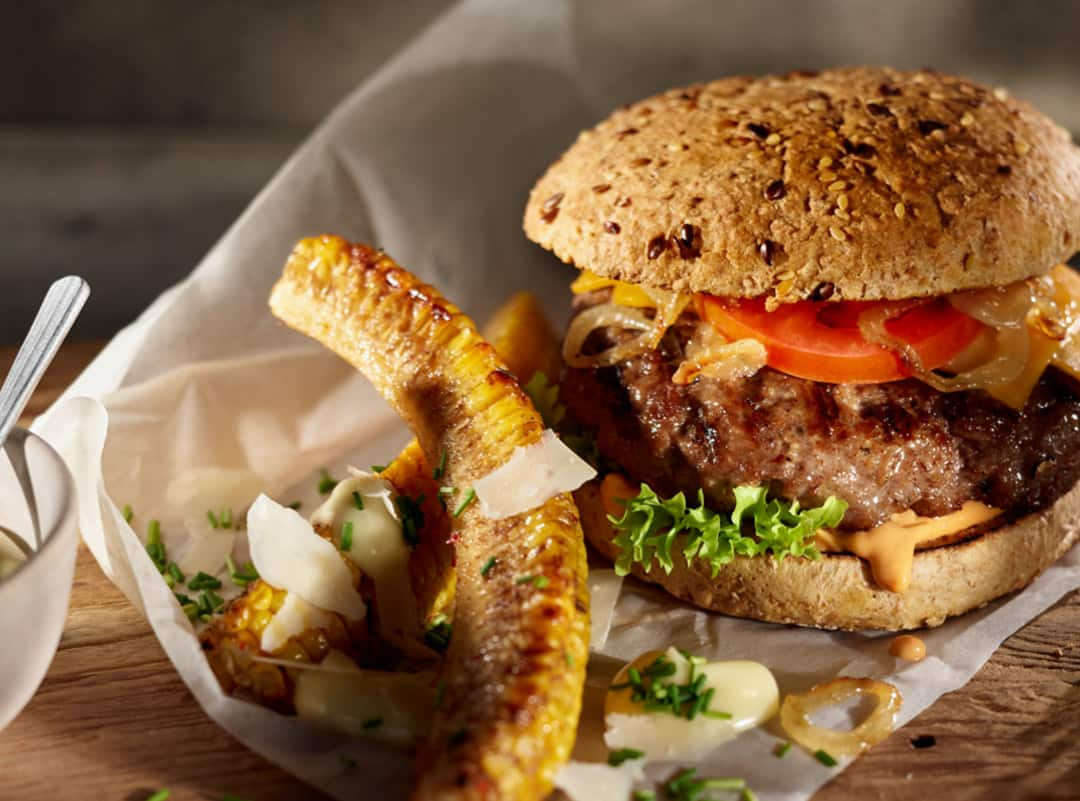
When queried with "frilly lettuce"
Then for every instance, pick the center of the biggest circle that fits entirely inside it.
(651, 527)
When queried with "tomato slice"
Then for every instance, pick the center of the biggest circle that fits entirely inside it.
(821, 341)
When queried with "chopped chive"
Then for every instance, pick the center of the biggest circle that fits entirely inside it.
(181, 598)
(174, 572)
(438, 632)
(616, 758)
(569, 659)
(377, 468)
(440, 468)
(537, 581)
(154, 546)
(781, 749)
(412, 518)
(748, 795)
(232, 798)
(644, 795)
(204, 581)
(214, 522)
(191, 610)
(470, 496)
(446, 491)
(346, 536)
(295, 505)
(490, 563)
(326, 482)
(226, 518)
(346, 761)
(241, 578)
(128, 513)
(160, 795)
(358, 500)
(170, 582)
(372, 723)
(825, 758)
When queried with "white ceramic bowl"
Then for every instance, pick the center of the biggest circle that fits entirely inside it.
(34, 599)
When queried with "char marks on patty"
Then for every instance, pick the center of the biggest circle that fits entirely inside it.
(883, 448)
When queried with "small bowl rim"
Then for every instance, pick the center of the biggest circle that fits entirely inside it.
(63, 518)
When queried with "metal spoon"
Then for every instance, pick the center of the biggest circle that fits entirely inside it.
(54, 319)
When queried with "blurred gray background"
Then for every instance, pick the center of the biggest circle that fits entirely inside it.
(133, 132)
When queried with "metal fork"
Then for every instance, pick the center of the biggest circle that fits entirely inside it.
(54, 319)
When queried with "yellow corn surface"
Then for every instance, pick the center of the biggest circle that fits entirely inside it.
(515, 668)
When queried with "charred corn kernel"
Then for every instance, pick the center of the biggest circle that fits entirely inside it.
(407, 339)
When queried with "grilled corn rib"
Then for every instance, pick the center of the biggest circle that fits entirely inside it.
(516, 663)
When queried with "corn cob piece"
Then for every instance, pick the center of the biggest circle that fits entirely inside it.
(516, 664)
(231, 640)
(431, 572)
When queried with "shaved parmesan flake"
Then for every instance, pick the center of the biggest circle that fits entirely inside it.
(533, 474)
(294, 617)
(595, 781)
(604, 589)
(206, 552)
(745, 690)
(289, 554)
(393, 707)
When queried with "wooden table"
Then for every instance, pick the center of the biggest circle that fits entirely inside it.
(113, 720)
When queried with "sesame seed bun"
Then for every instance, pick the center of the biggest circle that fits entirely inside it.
(838, 590)
(859, 183)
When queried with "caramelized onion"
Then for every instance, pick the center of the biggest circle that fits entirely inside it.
(797, 708)
(709, 354)
(669, 305)
(606, 315)
(873, 330)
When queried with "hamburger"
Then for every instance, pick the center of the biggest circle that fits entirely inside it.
(824, 342)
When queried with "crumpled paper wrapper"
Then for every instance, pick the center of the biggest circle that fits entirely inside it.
(431, 159)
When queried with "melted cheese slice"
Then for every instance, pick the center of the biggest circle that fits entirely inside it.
(745, 690)
(624, 294)
(890, 547)
(380, 551)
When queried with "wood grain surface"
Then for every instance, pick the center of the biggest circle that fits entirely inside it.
(113, 720)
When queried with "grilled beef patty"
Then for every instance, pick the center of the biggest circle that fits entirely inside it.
(883, 448)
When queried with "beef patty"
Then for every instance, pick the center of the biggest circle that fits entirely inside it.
(883, 448)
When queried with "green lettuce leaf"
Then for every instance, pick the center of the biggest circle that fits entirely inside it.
(651, 527)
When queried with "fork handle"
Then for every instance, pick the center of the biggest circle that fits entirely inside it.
(54, 319)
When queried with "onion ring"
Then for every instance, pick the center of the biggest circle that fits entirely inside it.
(796, 710)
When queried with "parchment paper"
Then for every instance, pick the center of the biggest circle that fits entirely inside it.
(431, 159)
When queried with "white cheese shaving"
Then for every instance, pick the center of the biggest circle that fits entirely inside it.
(217, 490)
(533, 474)
(205, 552)
(294, 617)
(345, 701)
(604, 589)
(289, 555)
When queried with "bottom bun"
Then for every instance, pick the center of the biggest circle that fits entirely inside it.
(838, 590)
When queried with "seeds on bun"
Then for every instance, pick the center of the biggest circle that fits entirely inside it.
(861, 183)
(822, 342)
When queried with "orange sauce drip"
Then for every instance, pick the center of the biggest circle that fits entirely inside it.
(908, 647)
(890, 547)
